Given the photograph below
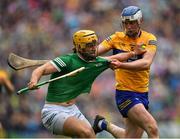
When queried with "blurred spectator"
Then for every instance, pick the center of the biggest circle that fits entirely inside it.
(5, 82)
(6, 89)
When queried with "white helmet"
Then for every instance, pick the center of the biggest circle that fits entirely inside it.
(131, 13)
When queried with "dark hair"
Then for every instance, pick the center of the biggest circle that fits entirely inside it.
(74, 50)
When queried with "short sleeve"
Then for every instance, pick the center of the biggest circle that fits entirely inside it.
(108, 42)
(60, 63)
(152, 43)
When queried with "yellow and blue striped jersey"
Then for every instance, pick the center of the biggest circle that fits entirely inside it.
(129, 80)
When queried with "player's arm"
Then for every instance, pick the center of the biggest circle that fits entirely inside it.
(139, 50)
(146, 61)
(140, 64)
(121, 56)
(101, 50)
(8, 85)
(45, 69)
(105, 45)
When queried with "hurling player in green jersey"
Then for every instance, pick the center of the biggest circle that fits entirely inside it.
(60, 115)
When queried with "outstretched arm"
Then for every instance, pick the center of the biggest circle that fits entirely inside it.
(126, 55)
(121, 56)
(45, 69)
(140, 64)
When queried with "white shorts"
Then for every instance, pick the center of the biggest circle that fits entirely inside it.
(54, 116)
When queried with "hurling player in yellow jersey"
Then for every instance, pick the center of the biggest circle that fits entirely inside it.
(132, 78)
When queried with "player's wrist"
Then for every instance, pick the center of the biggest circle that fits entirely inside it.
(133, 54)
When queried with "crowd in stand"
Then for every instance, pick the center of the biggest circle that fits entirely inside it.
(42, 29)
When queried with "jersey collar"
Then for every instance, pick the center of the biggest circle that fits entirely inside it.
(84, 59)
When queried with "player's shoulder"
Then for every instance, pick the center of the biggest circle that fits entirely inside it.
(150, 38)
(67, 57)
(149, 35)
(117, 35)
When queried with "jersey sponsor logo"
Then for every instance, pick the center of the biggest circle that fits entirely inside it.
(124, 104)
(152, 42)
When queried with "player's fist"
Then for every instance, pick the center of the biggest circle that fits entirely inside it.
(115, 64)
(32, 85)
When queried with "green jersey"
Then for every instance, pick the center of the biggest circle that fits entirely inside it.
(69, 88)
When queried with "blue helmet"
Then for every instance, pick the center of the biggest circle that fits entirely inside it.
(131, 13)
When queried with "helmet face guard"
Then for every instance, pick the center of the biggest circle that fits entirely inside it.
(131, 14)
(85, 42)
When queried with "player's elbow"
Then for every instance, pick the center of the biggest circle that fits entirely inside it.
(146, 64)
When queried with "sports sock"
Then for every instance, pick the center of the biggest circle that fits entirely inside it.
(103, 124)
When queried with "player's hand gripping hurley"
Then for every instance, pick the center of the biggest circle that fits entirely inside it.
(72, 73)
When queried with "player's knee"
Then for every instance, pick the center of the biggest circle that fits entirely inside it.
(153, 129)
(87, 133)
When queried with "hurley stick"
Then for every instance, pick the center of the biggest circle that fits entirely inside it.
(16, 62)
(72, 73)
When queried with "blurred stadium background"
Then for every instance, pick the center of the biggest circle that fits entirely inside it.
(42, 29)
